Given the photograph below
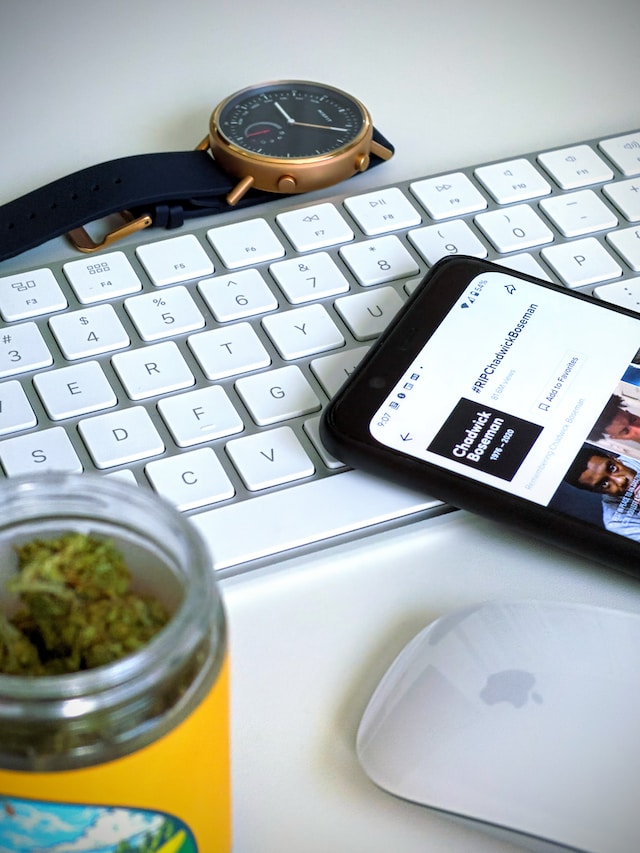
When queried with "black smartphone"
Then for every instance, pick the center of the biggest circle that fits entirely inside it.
(510, 397)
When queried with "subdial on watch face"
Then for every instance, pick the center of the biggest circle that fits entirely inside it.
(263, 132)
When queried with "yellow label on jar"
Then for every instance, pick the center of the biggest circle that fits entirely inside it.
(172, 796)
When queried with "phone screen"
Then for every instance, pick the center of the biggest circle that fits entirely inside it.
(532, 393)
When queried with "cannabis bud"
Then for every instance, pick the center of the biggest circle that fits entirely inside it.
(78, 609)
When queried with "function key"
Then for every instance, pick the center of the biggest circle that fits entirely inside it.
(516, 180)
(315, 227)
(30, 294)
(572, 168)
(624, 152)
(174, 260)
(101, 277)
(382, 211)
(243, 244)
(448, 195)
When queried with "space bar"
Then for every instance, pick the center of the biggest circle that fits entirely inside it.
(304, 514)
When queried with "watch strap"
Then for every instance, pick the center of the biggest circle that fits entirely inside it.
(170, 187)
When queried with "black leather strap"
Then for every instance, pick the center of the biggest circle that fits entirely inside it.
(171, 187)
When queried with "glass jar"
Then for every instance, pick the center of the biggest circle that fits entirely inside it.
(135, 751)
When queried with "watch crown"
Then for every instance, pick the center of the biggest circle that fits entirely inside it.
(362, 162)
(286, 184)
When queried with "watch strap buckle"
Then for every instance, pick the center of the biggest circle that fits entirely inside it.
(84, 242)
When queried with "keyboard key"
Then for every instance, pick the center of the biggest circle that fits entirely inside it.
(344, 503)
(22, 348)
(332, 370)
(101, 277)
(525, 263)
(579, 213)
(625, 293)
(243, 294)
(121, 437)
(75, 390)
(382, 211)
(368, 314)
(244, 243)
(190, 480)
(29, 295)
(514, 230)
(626, 197)
(156, 369)
(581, 262)
(89, 332)
(312, 429)
(229, 351)
(627, 244)
(448, 195)
(278, 395)
(157, 316)
(200, 415)
(15, 410)
(379, 260)
(312, 277)
(303, 331)
(517, 180)
(624, 152)
(269, 458)
(448, 238)
(315, 227)
(575, 167)
(37, 452)
(174, 260)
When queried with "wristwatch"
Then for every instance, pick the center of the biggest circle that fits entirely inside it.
(276, 138)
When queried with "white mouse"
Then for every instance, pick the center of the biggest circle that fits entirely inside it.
(521, 716)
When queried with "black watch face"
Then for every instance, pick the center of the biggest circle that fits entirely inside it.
(287, 120)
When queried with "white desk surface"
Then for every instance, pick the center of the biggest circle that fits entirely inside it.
(451, 85)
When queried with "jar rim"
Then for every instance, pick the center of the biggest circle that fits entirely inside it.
(80, 497)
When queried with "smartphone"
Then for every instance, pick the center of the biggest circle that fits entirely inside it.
(507, 396)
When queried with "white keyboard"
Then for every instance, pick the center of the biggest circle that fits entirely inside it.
(198, 364)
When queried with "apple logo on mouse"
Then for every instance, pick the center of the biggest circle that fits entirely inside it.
(510, 685)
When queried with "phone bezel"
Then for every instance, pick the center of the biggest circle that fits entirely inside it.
(345, 422)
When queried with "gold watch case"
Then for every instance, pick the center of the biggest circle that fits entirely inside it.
(281, 137)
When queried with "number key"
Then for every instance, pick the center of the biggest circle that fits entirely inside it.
(22, 348)
(233, 297)
(163, 315)
(88, 332)
(378, 260)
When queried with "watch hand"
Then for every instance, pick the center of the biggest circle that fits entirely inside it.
(284, 113)
(321, 126)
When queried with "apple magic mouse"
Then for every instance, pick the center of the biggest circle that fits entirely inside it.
(521, 716)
